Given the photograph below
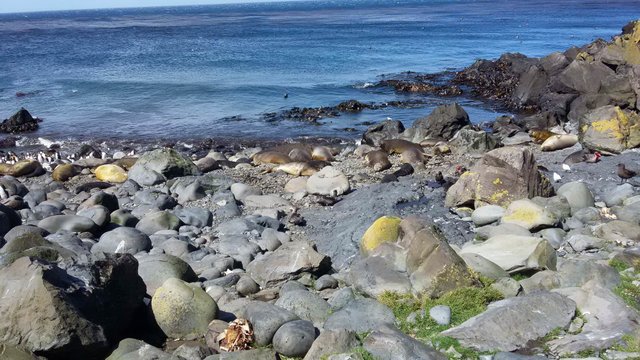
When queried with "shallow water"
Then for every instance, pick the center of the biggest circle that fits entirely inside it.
(183, 72)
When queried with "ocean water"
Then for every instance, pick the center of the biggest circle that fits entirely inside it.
(214, 71)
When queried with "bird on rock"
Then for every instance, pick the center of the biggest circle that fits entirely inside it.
(624, 173)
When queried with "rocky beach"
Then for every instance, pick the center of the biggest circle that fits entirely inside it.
(512, 239)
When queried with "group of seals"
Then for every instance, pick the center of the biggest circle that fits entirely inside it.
(295, 159)
(410, 153)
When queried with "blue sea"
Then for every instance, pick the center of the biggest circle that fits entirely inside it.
(214, 71)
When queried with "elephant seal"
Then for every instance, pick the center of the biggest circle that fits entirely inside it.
(398, 146)
(299, 155)
(557, 142)
(378, 160)
(270, 157)
(322, 153)
(300, 168)
(413, 156)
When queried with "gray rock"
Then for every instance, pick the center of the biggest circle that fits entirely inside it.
(443, 122)
(157, 221)
(176, 247)
(72, 302)
(266, 319)
(326, 282)
(486, 232)
(516, 253)
(156, 269)
(509, 324)
(483, 266)
(384, 130)
(618, 194)
(588, 216)
(197, 217)
(246, 286)
(123, 218)
(487, 214)
(618, 230)
(241, 191)
(292, 285)
(469, 141)
(256, 354)
(577, 194)
(266, 201)
(186, 192)
(192, 352)
(507, 286)
(360, 315)
(389, 343)
(555, 237)
(67, 222)
(133, 349)
(630, 213)
(123, 240)
(607, 319)
(332, 342)
(306, 305)
(341, 298)
(441, 314)
(20, 230)
(581, 243)
(373, 276)
(98, 213)
(286, 262)
(294, 338)
(529, 215)
(578, 272)
(621, 131)
(516, 356)
(160, 165)
(500, 177)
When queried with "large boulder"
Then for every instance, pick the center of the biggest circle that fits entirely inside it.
(510, 324)
(21, 121)
(443, 122)
(531, 87)
(516, 253)
(610, 129)
(86, 307)
(287, 262)
(500, 177)
(433, 266)
(156, 269)
(585, 77)
(160, 165)
(529, 215)
(386, 130)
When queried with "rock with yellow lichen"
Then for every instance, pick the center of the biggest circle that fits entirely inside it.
(111, 173)
(384, 229)
(500, 177)
(610, 129)
(182, 310)
(529, 215)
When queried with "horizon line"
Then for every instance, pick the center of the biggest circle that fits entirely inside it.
(229, 2)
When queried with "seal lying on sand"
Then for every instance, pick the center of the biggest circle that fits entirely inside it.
(270, 157)
(300, 168)
(299, 154)
(398, 146)
(378, 160)
(557, 142)
(322, 153)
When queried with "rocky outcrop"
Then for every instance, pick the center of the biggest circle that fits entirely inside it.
(83, 311)
(443, 122)
(161, 165)
(610, 129)
(20, 122)
(500, 177)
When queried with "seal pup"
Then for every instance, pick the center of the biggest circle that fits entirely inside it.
(322, 153)
(378, 160)
(398, 146)
(413, 156)
(270, 157)
(624, 173)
